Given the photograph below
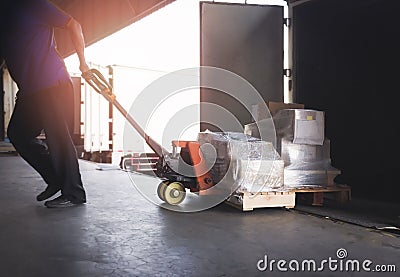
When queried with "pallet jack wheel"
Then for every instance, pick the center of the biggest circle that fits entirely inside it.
(174, 193)
(161, 188)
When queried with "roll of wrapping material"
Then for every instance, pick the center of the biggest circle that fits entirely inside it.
(293, 152)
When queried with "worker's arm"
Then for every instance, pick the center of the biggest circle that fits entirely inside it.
(75, 32)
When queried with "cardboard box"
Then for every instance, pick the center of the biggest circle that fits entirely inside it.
(274, 107)
(301, 126)
(259, 113)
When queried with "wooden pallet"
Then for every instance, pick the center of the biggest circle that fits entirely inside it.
(246, 201)
(315, 196)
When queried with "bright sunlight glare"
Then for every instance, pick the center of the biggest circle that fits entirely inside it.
(162, 42)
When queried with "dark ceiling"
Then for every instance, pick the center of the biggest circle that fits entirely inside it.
(101, 18)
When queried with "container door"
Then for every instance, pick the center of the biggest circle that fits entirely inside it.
(2, 127)
(246, 40)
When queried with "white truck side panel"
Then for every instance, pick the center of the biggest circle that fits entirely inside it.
(96, 120)
(129, 82)
(163, 42)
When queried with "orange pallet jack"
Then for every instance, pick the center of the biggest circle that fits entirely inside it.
(173, 185)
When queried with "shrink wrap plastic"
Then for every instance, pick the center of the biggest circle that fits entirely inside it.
(247, 163)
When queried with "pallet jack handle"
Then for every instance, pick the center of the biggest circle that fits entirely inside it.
(99, 83)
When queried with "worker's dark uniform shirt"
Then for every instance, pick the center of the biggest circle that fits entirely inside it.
(29, 47)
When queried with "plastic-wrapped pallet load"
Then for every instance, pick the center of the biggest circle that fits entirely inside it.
(303, 147)
(243, 162)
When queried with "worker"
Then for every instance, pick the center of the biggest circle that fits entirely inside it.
(44, 102)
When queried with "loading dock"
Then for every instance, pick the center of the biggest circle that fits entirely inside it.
(344, 60)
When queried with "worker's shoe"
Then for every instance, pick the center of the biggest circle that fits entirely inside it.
(48, 192)
(61, 202)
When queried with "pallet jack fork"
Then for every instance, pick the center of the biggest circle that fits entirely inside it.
(173, 187)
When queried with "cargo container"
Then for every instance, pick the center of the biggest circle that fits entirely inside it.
(342, 60)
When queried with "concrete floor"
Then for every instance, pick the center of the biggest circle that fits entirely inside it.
(119, 233)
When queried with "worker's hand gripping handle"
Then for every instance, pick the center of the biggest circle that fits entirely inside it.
(97, 81)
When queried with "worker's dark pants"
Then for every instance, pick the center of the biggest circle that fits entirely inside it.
(55, 159)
